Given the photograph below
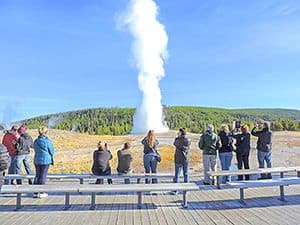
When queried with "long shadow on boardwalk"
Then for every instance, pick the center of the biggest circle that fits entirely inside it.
(76, 207)
(257, 202)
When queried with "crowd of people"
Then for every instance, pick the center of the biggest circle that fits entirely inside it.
(18, 143)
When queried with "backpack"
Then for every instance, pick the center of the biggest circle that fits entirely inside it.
(4, 158)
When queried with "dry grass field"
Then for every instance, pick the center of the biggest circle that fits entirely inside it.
(74, 150)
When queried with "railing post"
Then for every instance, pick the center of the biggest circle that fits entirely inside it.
(18, 205)
(185, 203)
(282, 198)
(67, 200)
(93, 201)
(242, 196)
(81, 180)
(139, 200)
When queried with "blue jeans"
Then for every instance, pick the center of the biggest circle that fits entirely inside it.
(185, 167)
(226, 158)
(150, 165)
(262, 157)
(25, 160)
(11, 168)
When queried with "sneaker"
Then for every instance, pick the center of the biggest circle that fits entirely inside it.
(42, 195)
(35, 195)
(174, 192)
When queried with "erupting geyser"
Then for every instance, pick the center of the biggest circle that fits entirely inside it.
(149, 51)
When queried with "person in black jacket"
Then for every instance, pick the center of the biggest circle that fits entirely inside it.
(25, 142)
(151, 156)
(243, 149)
(181, 157)
(101, 166)
(264, 146)
(225, 152)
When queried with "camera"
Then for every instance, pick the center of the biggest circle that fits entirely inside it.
(236, 124)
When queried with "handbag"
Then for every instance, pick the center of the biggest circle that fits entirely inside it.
(158, 157)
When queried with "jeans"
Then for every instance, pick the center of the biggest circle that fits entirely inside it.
(11, 168)
(25, 160)
(150, 165)
(243, 160)
(209, 162)
(185, 167)
(226, 158)
(262, 157)
(41, 172)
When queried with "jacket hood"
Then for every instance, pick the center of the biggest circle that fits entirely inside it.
(26, 136)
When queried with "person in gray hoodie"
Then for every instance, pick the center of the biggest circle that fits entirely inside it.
(181, 157)
(209, 143)
(25, 142)
(124, 161)
(101, 166)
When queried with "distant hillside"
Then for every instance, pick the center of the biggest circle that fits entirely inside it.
(118, 121)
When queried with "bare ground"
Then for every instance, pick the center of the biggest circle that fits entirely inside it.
(74, 150)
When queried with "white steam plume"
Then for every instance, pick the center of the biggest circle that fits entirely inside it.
(53, 120)
(149, 51)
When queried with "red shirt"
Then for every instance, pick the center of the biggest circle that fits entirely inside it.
(10, 140)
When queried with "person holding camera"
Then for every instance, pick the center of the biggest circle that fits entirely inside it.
(210, 143)
(101, 165)
(225, 152)
(264, 146)
(181, 158)
(243, 149)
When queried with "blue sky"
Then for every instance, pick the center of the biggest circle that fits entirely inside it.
(60, 55)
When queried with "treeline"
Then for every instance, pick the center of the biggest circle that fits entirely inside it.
(119, 121)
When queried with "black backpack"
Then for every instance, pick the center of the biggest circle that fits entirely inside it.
(4, 158)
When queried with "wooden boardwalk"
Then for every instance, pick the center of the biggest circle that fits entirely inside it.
(210, 206)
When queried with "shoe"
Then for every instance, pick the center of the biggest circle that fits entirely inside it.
(174, 192)
(42, 195)
(206, 183)
(35, 195)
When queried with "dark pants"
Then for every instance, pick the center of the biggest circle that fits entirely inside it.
(106, 173)
(243, 160)
(41, 174)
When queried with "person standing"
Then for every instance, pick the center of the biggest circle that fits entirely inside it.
(10, 140)
(101, 166)
(151, 157)
(243, 149)
(43, 158)
(225, 152)
(124, 161)
(4, 162)
(23, 146)
(264, 147)
(210, 143)
(182, 158)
